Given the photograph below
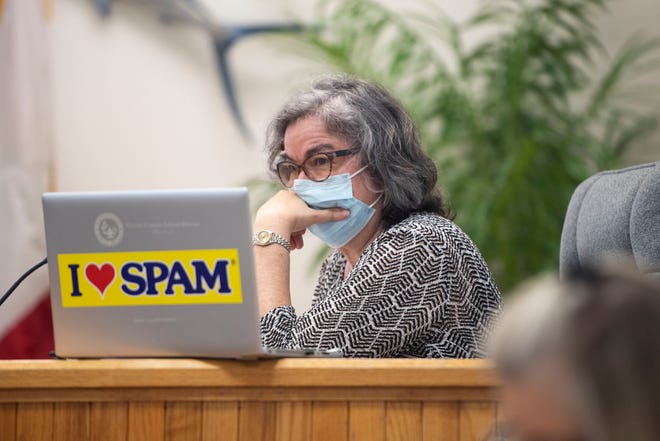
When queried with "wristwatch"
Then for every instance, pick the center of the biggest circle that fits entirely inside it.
(266, 237)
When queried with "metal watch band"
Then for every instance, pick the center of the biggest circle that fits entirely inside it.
(266, 237)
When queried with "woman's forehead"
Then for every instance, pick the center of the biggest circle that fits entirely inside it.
(308, 136)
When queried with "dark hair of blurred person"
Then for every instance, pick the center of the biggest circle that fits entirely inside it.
(580, 360)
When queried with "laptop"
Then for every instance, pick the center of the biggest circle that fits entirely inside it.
(153, 274)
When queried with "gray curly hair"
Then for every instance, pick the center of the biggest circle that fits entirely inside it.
(370, 119)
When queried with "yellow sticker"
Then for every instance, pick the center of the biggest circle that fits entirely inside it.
(182, 277)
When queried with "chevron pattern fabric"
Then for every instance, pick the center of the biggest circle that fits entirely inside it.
(421, 289)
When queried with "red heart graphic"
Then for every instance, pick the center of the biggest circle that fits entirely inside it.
(101, 276)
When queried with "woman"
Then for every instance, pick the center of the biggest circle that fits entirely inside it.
(403, 281)
(581, 360)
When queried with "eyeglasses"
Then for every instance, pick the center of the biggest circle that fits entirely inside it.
(317, 167)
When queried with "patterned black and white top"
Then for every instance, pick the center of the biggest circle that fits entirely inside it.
(421, 289)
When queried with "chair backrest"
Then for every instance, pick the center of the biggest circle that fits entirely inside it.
(614, 212)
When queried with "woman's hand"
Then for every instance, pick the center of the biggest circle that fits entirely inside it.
(287, 214)
(297, 242)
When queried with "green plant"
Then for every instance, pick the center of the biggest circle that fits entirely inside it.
(509, 105)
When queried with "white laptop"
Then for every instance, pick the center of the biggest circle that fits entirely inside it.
(153, 274)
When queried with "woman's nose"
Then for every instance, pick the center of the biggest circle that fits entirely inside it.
(302, 175)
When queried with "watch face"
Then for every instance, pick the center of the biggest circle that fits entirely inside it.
(263, 237)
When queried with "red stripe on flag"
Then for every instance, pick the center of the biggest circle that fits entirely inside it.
(32, 336)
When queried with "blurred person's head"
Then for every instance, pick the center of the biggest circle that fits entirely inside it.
(580, 360)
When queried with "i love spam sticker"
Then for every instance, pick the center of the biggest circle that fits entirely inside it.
(150, 278)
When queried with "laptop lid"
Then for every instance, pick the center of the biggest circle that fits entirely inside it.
(152, 273)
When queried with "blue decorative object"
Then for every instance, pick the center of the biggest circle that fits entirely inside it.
(103, 6)
(222, 45)
(224, 36)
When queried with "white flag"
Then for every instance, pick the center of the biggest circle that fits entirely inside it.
(25, 153)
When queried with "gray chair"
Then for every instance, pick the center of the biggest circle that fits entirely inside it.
(614, 212)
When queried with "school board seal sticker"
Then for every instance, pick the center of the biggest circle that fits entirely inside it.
(108, 229)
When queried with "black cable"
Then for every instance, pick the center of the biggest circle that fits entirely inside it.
(6, 295)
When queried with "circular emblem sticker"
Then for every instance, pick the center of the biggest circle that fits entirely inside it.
(108, 229)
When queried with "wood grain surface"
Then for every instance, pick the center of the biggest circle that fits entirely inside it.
(284, 372)
(284, 400)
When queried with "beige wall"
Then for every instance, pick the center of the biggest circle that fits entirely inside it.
(626, 17)
(137, 103)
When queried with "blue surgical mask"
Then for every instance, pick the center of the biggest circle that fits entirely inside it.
(336, 191)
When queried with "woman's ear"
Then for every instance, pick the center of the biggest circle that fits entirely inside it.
(374, 183)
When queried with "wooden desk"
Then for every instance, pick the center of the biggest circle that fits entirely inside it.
(290, 399)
